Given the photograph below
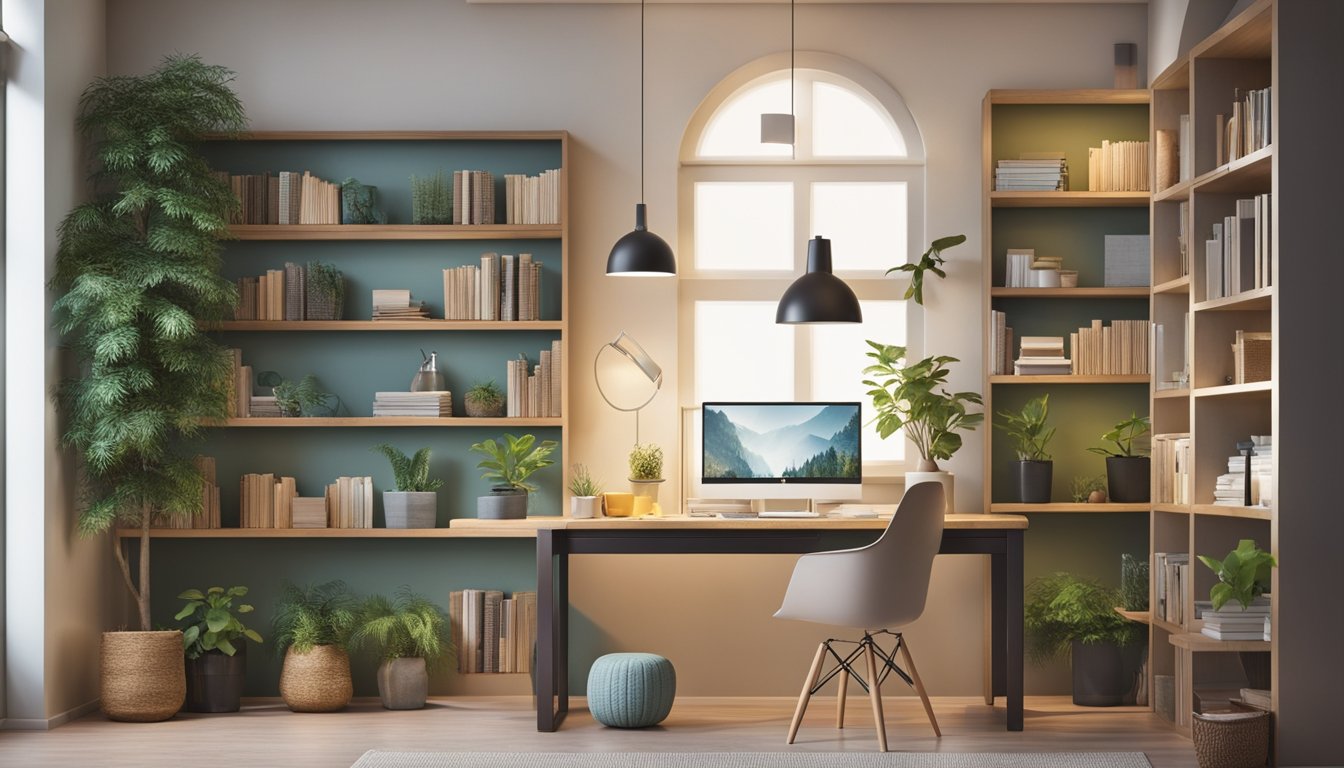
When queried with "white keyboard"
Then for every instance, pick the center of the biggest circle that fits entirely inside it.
(789, 513)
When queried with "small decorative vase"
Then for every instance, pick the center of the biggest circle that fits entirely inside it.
(410, 509)
(645, 497)
(584, 507)
(316, 681)
(403, 683)
(429, 378)
(215, 680)
(143, 675)
(504, 503)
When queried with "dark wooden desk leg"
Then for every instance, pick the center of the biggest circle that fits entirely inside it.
(547, 634)
(562, 629)
(998, 629)
(1013, 606)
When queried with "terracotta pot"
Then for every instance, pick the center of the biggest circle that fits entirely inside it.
(403, 683)
(316, 681)
(143, 679)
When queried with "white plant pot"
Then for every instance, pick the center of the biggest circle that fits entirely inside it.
(583, 507)
(410, 509)
(912, 478)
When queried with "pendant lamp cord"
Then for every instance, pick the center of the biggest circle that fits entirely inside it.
(641, 120)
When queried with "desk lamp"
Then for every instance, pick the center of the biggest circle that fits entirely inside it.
(634, 370)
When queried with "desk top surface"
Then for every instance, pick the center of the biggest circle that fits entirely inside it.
(957, 522)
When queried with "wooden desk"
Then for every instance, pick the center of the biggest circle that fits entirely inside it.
(999, 536)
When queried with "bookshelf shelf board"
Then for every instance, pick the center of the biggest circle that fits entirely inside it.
(1091, 292)
(1010, 508)
(1133, 378)
(1172, 509)
(387, 421)
(1249, 174)
(1142, 617)
(1245, 513)
(1195, 641)
(396, 232)
(1248, 36)
(1068, 96)
(388, 325)
(391, 136)
(1172, 628)
(1068, 199)
(1175, 193)
(326, 533)
(1175, 77)
(1255, 389)
(1172, 394)
(1179, 285)
(1258, 298)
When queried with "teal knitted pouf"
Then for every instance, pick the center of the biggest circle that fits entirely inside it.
(631, 690)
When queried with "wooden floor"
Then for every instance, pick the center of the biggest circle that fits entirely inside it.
(267, 734)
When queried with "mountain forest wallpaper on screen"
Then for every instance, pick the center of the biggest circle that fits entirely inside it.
(781, 440)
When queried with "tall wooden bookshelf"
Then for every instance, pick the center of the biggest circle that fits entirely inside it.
(1215, 412)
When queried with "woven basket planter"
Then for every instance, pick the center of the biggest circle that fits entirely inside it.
(316, 681)
(478, 410)
(1231, 740)
(143, 675)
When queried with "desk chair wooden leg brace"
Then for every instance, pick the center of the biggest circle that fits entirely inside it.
(871, 679)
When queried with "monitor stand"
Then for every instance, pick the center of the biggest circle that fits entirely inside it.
(783, 508)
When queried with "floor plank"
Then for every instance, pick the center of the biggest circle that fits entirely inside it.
(265, 733)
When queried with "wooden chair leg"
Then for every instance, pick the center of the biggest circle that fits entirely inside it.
(919, 687)
(812, 676)
(875, 693)
(840, 699)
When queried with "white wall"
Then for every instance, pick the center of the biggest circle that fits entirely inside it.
(436, 64)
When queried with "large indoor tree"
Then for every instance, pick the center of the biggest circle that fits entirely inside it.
(137, 268)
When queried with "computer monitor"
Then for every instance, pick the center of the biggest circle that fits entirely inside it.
(781, 451)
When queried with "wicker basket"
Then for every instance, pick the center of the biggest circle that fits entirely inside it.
(1231, 739)
(478, 410)
(324, 306)
(316, 681)
(143, 676)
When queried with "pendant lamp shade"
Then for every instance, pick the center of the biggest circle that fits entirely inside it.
(641, 252)
(818, 296)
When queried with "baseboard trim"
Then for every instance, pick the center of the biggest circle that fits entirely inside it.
(55, 721)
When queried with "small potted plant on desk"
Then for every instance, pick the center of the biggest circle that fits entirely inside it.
(913, 398)
(510, 464)
(1034, 467)
(1127, 469)
(312, 625)
(646, 475)
(1067, 615)
(415, 503)
(584, 492)
(410, 633)
(216, 655)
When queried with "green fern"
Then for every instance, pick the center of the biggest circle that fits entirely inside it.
(405, 627)
(309, 616)
(410, 474)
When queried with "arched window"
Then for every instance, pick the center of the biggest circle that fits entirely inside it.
(855, 175)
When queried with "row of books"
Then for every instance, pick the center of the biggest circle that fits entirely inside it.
(349, 502)
(1032, 172)
(1120, 348)
(1248, 128)
(240, 394)
(1042, 356)
(473, 197)
(208, 517)
(266, 501)
(535, 390)
(1239, 257)
(1118, 166)
(287, 197)
(503, 287)
(532, 199)
(493, 633)
(1172, 463)
(428, 404)
(1001, 344)
(1230, 489)
(1024, 269)
(1251, 356)
(396, 304)
(1171, 573)
(277, 295)
(1234, 621)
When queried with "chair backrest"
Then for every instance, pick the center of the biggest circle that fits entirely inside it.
(904, 554)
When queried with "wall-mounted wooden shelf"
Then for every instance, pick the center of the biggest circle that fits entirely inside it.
(387, 325)
(1068, 199)
(1178, 192)
(1170, 627)
(386, 421)
(1172, 509)
(1218, 510)
(1170, 394)
(1091, 292)
(1245, 175)
(1134, 378)
(1196, 642)
(1011, 508)
(1254, 299)
(1092, 96)
(1180, 285)
(395, 232)
(1256, 390)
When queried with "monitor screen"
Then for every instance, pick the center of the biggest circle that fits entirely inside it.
(780, 443)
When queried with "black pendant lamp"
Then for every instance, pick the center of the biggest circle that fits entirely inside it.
(818, 296)
(641, 252)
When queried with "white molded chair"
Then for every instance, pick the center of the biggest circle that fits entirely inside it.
(878, 588)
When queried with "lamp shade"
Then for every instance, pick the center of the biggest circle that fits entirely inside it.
(641, 252)
(818, 296)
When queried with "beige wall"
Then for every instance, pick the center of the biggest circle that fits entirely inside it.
(432, 64)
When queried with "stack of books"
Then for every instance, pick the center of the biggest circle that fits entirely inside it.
(1171, 462)
(1171, 572)
(397, 305)
(535, 390)
(287, 197)
(1235, 623)
(350, 503)
(1248, 129)
(1239, 256)
(504, 287)
(1120, 348)
(266, 501)
(1001, 344)
(1118, 166)
(263, 406)
(1042, 356)
(473, 197)
(1229, 490)
(493, 633)
(1032, 172)
(280, 294)
(532, 199)
(430, 404)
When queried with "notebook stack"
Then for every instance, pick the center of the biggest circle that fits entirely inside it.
(1033, 172)
(1234, 623)
(396, 305)
(431, 404)
(1042, 356)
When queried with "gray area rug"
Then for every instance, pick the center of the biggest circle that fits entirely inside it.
(378, 759)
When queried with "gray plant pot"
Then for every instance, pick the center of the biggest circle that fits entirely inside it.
(503, 503)
(410, 509)
(1098, 674)
(403, 683)
(1033, 481)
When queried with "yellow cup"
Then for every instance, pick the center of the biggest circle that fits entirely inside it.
(619, 504)
(643, 506)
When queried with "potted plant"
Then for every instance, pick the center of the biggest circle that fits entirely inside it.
(931, 261)
(137, 273)
(584, 492)
(312, 626)
(1034, 468)
(297, 398)
(646, 475)
(411, 634)
(510, 463)
(1243, 576)
(415, 503)
(1067, 615)
(913, 398)
(1127, 470)
(326, 292)
(216, 654)
(485, 400)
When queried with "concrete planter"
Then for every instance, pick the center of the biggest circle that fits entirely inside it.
(503, 503)
(914, 478)
(410, 509)
(403, 683)
(583, 507)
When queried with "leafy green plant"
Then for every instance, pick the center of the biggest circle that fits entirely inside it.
(1028, 428)
(914, 398)
(931, 261)
(513, 461)
(407, 626)
(211, 624)
(410, 473)
(1133, 582)
(1082, 487)
(646, 462)
(1123, 436)
(326, 285)
(137, 273)
(431, 200)
(1062, 608)
(581, 482)
(1242, 576)
(359, 202)
(309, 616)
(301, 398)
(486, 394)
